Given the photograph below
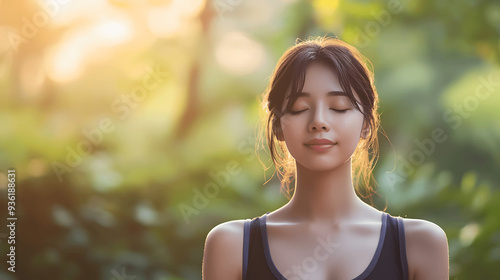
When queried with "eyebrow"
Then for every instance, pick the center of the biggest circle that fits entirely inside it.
(330, 93)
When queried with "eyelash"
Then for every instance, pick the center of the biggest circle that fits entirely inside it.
(298, 112)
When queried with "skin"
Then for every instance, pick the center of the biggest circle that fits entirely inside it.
(324, 205)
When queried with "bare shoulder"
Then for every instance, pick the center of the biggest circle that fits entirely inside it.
(223, 253)
(426, 250)
(423, 232)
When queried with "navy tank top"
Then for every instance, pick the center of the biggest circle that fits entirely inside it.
(388, 263)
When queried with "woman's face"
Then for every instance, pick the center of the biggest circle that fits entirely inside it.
(326, 112)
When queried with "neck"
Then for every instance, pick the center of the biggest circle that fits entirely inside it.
(325, 195)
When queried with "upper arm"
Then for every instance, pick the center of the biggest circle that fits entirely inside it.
(427, 250)
(223, 253)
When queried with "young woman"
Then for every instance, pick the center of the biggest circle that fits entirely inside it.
(322, 124)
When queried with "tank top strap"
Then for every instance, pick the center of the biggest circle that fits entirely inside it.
(402, 247)
(246, 243)
(392, 261)
(254, 262)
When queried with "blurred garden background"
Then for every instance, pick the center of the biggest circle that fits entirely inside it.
(132, 125)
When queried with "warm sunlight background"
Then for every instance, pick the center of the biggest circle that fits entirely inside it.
(132, 124)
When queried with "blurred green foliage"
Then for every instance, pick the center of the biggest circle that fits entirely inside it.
(135, 202)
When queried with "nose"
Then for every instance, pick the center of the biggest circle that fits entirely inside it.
(318, 122)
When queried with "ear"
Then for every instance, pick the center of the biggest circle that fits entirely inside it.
(365, 131)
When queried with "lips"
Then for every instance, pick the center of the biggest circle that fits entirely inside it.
(319, 141)
(320, 144)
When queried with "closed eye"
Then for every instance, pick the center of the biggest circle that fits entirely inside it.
(340, 111)
(298, 112)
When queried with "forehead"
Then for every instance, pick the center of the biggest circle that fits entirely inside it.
(320, 76)
(321, 80)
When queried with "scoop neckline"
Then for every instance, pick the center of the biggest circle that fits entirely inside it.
(365, 273)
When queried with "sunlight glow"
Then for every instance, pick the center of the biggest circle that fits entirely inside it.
(189, 9)
(114, 32)
(468, 233)
(64, 13)
(166, 21)
(67, 60)
(239, 54)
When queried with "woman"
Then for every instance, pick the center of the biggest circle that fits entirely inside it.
(321, 107)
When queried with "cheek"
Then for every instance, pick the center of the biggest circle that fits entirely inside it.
(351, 126)
(288, 126)
(293, 131)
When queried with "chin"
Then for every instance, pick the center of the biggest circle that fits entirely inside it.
(321, 165)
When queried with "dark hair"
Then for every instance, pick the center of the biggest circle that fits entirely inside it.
(289, 74)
